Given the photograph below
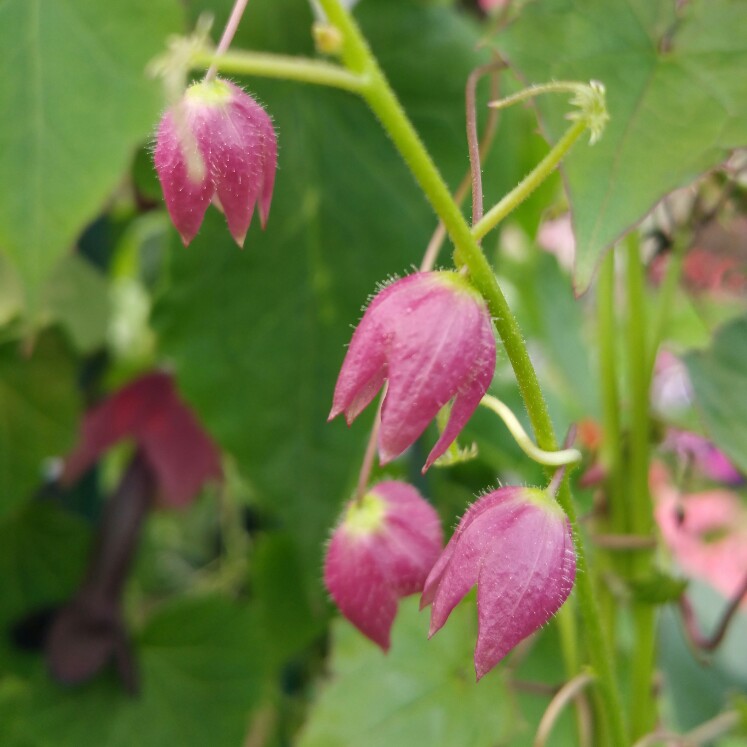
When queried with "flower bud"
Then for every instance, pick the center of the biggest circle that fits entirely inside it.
(381, 550)
(430, 336)
(216, 144)
(516, 545)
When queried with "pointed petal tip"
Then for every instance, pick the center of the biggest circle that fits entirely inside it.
(264, 215)
(239, 239)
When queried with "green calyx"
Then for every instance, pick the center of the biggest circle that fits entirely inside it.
(210, 92)
(543, 499)
(459, 283)
(366, 516)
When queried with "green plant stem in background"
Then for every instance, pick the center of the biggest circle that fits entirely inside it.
(611, 450)
(642, 707)
(614, 520)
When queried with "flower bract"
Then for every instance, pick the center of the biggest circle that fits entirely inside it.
(516, 545)
(216, 144)
(382, 549)
(430, 337)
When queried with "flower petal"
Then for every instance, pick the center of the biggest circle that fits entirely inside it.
(523, 581)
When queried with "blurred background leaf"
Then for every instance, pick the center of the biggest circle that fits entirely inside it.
(420, 692)
(720, 388)
(676, 98)
(78, 103)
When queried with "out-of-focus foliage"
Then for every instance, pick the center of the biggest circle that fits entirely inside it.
(75, 106)
(228, 618)
(720, 386)
(676, 98)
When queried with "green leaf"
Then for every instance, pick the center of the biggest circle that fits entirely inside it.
(201, 675)
(676, 92)
(421, 692)
(38, 413)
(719, 378)
(76, 106)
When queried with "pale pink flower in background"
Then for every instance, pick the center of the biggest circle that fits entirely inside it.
(216, 144)
(382, 550)
(516, 545)
(671, 390)
(430, 337)
(706, 532)
(555, 236)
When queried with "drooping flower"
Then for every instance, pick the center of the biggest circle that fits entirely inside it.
(216, 144)
(382, 549)
(150, 412)
(516, 545)
(429, 335)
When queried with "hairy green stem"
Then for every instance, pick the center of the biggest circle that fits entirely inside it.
(530, 182)
(270, 65)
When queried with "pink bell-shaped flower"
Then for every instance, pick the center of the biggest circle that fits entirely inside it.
(430, 336)
(216, 144)
(382, 549)
(516, 545)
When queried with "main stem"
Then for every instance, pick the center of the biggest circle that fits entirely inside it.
(383, 102)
